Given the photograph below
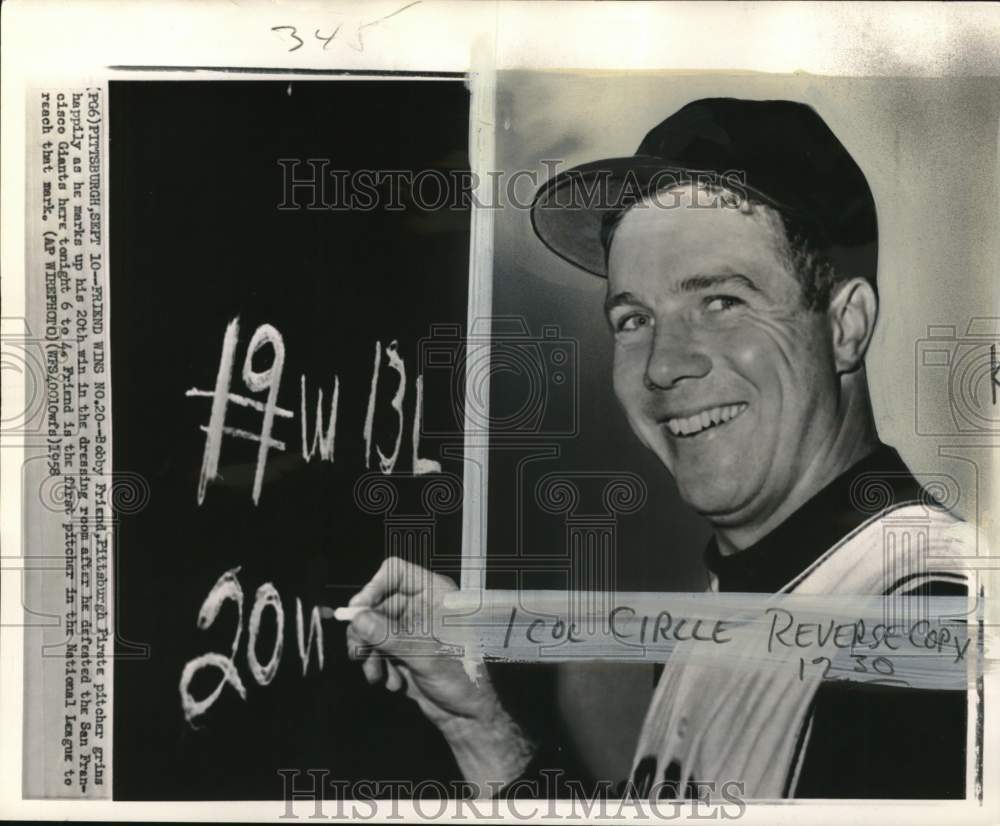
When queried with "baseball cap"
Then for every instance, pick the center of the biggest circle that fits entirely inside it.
(778, 152)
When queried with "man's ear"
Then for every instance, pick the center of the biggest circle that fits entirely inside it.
(852, 313)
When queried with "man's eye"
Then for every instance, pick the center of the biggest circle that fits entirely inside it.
(719, 303)
(632, 322)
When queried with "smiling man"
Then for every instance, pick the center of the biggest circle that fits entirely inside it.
(740, 249)
(723, 370)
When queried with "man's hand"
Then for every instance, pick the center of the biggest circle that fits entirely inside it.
(395, 640)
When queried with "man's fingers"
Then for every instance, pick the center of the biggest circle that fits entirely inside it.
(374, 663)
(395, 605)
(357, 648)
(393, 681)
(394, 574)
(412, 689)
(372, 667)
(373, 629)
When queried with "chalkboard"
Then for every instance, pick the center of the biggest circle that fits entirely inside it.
(213, 250)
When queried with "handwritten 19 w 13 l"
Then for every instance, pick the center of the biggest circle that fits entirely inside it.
(324, 436)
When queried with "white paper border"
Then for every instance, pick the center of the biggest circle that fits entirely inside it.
(52, 42)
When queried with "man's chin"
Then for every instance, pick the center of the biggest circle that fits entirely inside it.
(716, 504)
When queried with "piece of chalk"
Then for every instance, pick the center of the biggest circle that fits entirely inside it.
(344, 614)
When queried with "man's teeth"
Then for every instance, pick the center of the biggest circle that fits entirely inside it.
(700, 421)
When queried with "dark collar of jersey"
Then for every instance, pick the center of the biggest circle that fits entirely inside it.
(879, 481)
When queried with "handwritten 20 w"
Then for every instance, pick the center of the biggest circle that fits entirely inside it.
(228, 588)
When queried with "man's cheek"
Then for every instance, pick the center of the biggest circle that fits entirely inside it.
(750, 357)
(628, 378)
(631, 394)
(762, 349)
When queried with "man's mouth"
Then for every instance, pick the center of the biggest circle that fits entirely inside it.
(708, 418)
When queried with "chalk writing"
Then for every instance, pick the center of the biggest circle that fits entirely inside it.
(315, 633)
(421, 466)
(323, 440)
(227, 588)
(268, 380)
(386, 463)
(267, 597)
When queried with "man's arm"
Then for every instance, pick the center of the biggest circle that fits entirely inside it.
(490, 748)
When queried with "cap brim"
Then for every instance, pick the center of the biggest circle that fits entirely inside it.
(570, 208)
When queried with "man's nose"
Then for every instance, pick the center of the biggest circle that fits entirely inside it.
(675, 356)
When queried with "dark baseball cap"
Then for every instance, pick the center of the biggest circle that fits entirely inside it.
(777, 152)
